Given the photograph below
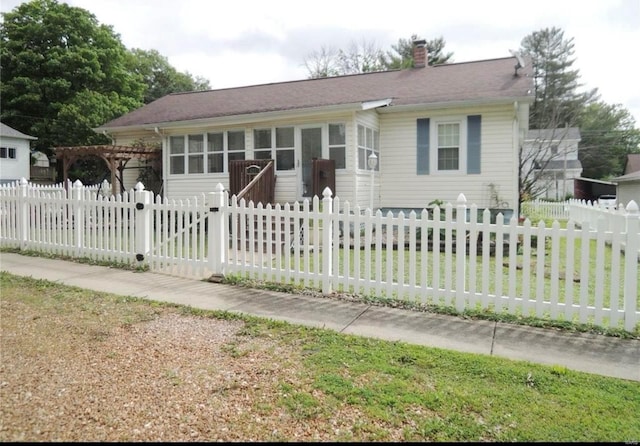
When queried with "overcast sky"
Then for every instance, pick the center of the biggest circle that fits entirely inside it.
(237, 43)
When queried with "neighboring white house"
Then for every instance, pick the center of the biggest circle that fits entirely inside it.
(15, 154)
(551, 156)
(437, 131)
(628, 188)
(628, 185)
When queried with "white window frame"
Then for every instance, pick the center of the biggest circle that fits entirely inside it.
(370, 143)
(204, 153)
(337, 146)
(196, 151)
(434, 146)
(273, 148)
(8, 151)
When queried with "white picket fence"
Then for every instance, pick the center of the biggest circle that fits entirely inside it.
(578, 273)
(554, 210)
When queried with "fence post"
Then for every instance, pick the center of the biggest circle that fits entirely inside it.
(78, 217)
(327, 237)
(461, 251)
(143, 231)
(22, 208)
(632, 246)
(216, 240)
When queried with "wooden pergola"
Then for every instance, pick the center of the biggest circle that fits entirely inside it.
(116, 158)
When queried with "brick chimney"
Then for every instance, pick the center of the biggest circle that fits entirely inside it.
(420, 53)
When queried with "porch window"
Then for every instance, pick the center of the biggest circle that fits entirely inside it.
(368, 143)
(235, 145)
(176, 155)
(204, 153)
(337, 144)
(196, 154)
(215, 152)
(285, 151)
(280, 138)
(262, 144)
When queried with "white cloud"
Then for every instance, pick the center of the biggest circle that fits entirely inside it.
(241, 43)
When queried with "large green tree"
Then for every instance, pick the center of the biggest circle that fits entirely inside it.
(161, 78)
(558, 99)
(63, 73)
(401, 55)
(608, 134)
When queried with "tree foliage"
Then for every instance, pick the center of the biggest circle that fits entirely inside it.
(63, 73)
(161, 78)
(364, 57)
(358, 57)
(401, 55)
(558, 101)
(607, 131)
(608, 135)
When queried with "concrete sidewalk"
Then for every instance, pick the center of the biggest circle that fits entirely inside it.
(603, 355)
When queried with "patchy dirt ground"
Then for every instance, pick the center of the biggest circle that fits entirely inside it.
(172, 378)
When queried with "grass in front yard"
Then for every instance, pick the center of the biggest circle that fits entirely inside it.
(341, 388)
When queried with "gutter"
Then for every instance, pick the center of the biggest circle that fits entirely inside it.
(237, 119)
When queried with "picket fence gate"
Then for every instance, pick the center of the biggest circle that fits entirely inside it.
(583, 273)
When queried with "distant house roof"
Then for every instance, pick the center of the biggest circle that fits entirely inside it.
(440, 85)
(557, 134)
(633, 176)
(632, 163)
(9, 132)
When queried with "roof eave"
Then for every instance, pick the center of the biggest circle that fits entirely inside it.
(236, 119)
(454, 104)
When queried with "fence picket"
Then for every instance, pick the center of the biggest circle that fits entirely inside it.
(445, 256)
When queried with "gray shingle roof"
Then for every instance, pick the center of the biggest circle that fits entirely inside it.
(486, 80)
(9, 132)
(632, 163)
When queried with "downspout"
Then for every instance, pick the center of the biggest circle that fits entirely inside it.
(516, 144)
(165, 162)
(108, 135)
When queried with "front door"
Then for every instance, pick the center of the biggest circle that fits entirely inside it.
(311, 147)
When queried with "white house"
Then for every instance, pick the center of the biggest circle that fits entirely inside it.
(436, 131)
(551, 157)
(628, 185)
(15, 154)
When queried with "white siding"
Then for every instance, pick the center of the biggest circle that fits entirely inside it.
(131, 173)
(627, 191)
(18, 167)
(401, 186)
(287, 187)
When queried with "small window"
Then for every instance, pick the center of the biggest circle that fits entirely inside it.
(368, 143)
(176, 155)
(262, 144)
(196, 154)
(235, 145)
(449, 146)
(285, 151)
(8, 152)
(215, 152)
(337, 145)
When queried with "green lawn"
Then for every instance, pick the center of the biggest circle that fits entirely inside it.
(373, 390)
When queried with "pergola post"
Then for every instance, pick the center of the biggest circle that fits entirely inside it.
(116, 158)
